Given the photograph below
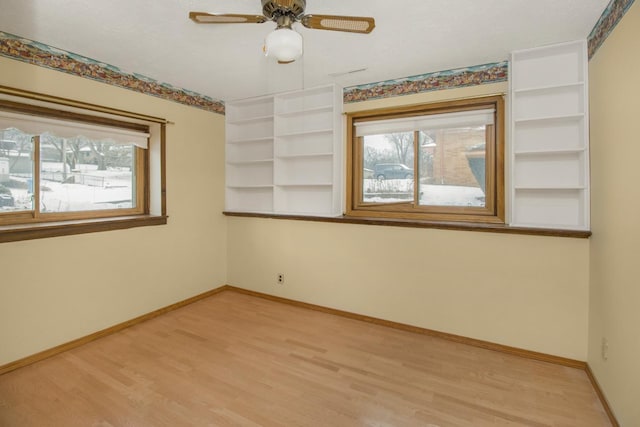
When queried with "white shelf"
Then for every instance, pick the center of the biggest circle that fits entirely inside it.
(246, 111)
(549, 171)
(558, 208)
(547, 88)
(534, 153)
(249, 199)
(305, 100)
(564, 101)
(559, 64)
(550, 118)
(250, 104)
(303, 133)
(320, 91)
(248, 162)
(321, 109)
(306, 184)
(306, 144)
(251, 120)
(303, 156)
(547, 188)
(249, 186)
(293, 139)
(250, 140)
(306, 200)
(549, 135)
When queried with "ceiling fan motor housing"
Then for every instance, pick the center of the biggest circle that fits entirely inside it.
(273, 9)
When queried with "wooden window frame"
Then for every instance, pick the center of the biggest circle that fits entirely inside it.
(33, 224)
(494, 210)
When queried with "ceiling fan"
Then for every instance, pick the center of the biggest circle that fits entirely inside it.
(284, 43)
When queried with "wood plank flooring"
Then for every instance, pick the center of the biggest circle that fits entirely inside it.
(238, 360)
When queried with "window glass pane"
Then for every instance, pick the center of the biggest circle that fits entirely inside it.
(81, 174)
(388, 168)
(456, 149)
(452, 166)
(16, 171)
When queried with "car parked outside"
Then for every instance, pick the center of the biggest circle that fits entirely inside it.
(392, 171)
(6, 200)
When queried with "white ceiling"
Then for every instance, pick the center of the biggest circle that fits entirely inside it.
(155, 38)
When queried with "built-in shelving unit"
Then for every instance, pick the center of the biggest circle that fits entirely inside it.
(550, 147)
(284, 153)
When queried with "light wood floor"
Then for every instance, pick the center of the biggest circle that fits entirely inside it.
(238, 360)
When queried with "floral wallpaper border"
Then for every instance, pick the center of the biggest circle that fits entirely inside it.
(612, 14)
(32, 52)
(36, 53)
(449, 79)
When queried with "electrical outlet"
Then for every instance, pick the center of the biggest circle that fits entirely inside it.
(605, 349)
(280, 279)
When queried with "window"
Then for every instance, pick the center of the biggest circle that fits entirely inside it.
(64, 166)
(441, 162)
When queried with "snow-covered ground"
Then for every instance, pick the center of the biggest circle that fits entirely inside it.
(77, 197)
(115, 192)
(401, 190)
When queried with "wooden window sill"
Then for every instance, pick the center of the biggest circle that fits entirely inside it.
(17, 232)
(461, 226)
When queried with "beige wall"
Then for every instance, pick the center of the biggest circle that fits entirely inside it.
(524, 291)
(615, 167)
(58, 289)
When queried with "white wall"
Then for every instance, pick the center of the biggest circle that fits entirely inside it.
(615, 206)
(523, 291)
(58, 289)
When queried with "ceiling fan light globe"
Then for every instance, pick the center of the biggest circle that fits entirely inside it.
(284, 44)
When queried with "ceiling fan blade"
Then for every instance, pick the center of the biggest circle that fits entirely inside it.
(226, 18)
(350, 24)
